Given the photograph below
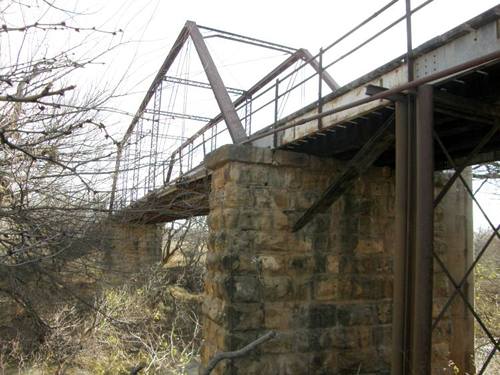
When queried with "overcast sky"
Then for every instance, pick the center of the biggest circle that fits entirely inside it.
(151, 26)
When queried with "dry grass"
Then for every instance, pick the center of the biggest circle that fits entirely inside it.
(154, 326)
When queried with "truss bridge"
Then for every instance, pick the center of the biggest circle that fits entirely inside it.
(311, 176)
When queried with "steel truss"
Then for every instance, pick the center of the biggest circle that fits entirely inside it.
(237, 130)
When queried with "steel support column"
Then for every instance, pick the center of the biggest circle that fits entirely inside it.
(401, 298)
(424, 227)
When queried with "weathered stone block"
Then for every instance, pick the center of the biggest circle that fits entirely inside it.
(356, 314)
(301, 264)
(298, 363)
(291, 159)
(277, 241)
(245, 316)
(238, 153)
(244, 288)
(276, 288)
(235, 196)
(332, 264)
(325, 288)
(283, 343)
(272, 264)
(229, 241)
(322, 315)
(280, 199)
(215, 310)
(370, 246)
(302, 288)
(277, 315)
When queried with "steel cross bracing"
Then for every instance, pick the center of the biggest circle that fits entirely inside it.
(458, 286)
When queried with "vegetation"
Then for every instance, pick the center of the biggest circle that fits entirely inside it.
(150, 323)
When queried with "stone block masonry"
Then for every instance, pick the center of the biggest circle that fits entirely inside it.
(128, 248)
(326, 290)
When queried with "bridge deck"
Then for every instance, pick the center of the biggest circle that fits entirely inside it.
(466, 104)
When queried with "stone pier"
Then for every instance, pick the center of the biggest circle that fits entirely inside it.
(129, 247)
(327, 289)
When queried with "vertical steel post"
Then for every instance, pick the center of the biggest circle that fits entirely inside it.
(276, 97)
(320, 88)
(409, 42)
(401, 300)
(404, 272)
(424, 226)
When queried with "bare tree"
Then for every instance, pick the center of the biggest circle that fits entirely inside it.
(53, 148)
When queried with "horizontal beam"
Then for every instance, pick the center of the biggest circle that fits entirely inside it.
(247, 39)
(174, 115)
(373, 90)
(286, 124)
(203, 85)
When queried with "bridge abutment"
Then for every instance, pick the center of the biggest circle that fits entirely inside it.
(129, 247)
(326, 289)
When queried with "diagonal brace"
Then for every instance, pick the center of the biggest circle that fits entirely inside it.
(471, 156)
(364, 158)
(465, 277)
(466, 301)
(226, 106)
(466, 185)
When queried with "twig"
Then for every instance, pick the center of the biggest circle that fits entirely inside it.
(34, 98)
(237, 353)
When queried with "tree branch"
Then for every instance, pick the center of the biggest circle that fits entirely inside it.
(237, 353)
(34, 98)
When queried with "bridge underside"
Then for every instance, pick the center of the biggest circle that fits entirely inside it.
(182, 200)
(465, 108)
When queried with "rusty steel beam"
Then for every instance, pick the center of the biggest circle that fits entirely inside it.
(424, 229)
(169, 60)
(174, 115)
(289, 61)
(233, 123)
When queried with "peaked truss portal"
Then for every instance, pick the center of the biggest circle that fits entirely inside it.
(238, 130)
